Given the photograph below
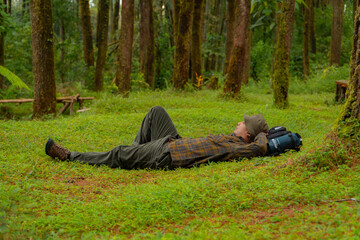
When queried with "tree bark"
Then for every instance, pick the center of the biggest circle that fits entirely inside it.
(237, 59)
(115, 20)
(196, 40)
(86, 32)
(182, 42)
(147, 42)
(307, 30)
(247, 64)
(123, 64)
(62, 51)
(101, 42)
(285, 20)
(312, 28)
(2, 50)
(42, 36)
(336, 32)
(351, 108)
(230, 21)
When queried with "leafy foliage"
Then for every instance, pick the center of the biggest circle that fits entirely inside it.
(15, 80)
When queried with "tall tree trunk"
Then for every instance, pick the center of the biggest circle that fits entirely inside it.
(307, 30)
(182, 43)
(9, 7)
(351, 108)
(1, 59)
(2, 49)
(247, 64)
(176, 11)
(285, 20)
(312, 28)
(147, 42)
(336, 32)
(237, 58)
(86, 33)
(230, 21)
(123, 64)
(42, 36)
(111, 18)
(62, 50)
(196, 37)
(101, 42)
(115, 20)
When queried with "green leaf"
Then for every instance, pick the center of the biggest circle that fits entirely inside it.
(15, 80)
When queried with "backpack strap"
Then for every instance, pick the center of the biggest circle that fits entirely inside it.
(292, 139)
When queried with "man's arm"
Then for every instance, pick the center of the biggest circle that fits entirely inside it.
(254, 149)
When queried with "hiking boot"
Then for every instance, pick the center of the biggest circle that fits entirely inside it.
(56, 151)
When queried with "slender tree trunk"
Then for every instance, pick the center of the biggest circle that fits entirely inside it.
(285, 20)
(351, 108)
(123, 64)
(176, 10)
(307, 30)
(115, 23)
(1, 59)
(237, 58)
(147, 42)
(247, 64)
(312, 28)
(62, 51)
(111, 19)
(101, 42)
(86, 33)
(9, 7)
(230, 21)
(182, 43)
(336, 32)
(2, 49)
(196, 38)
(42, 36)
(206, 31)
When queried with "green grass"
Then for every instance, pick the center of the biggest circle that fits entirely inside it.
(261, 198)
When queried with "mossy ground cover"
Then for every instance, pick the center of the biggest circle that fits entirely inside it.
(260, 198)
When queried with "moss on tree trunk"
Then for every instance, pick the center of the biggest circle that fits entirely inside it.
(196, 39)
(312, 27)
(306, 56)
(101, 42)
(115, 20)
(42, 36)
(123, 64)
(237, 59)
(86, 32)
(351, 108)
(230, 20)
(280, 84)
(147, 42)
(182, 43)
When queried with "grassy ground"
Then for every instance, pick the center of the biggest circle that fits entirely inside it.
(261, 198)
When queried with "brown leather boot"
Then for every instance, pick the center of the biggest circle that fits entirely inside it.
(56, 151)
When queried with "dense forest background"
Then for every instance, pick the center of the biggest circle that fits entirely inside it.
(73, 72)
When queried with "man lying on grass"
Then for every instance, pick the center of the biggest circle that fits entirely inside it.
(158, 145)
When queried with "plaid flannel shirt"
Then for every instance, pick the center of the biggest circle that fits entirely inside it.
(188, 152)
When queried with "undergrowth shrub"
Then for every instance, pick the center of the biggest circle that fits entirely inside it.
(334, 152)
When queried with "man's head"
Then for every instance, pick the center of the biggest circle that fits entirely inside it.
(251, 127)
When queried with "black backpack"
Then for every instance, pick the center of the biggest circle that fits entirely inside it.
(280, 140)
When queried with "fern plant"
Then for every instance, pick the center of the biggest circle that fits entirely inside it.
(14, 80)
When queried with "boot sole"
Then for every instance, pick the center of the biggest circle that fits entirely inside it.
(48, 145)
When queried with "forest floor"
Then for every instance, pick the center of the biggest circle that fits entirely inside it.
(262, 198)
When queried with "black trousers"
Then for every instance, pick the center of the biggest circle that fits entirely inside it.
(149, 150)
